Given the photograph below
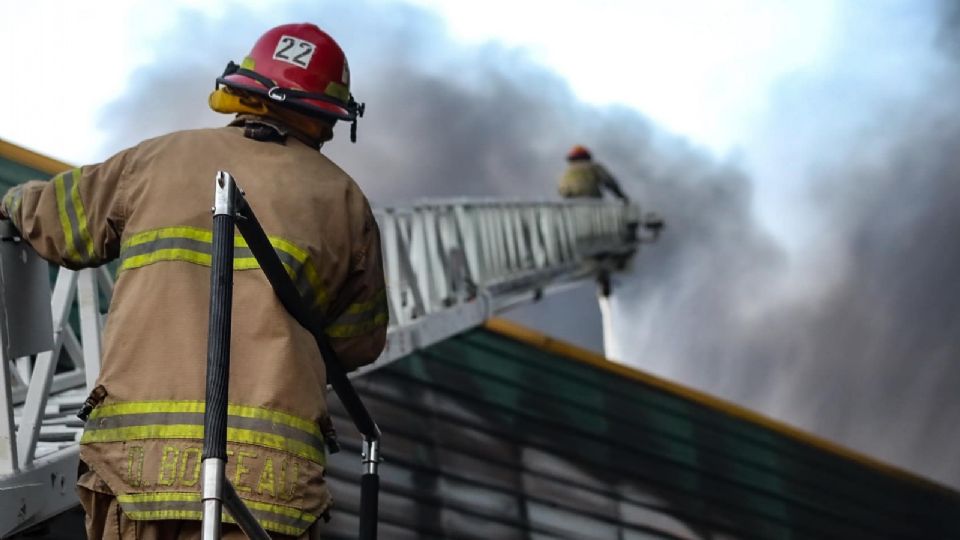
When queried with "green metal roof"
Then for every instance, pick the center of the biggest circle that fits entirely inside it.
(490, 435)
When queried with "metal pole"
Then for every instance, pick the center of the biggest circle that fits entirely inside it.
(218, 357)
(369, 489)
(213, 476)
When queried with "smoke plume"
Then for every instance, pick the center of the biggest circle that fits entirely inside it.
(856, 338)
(852, 336)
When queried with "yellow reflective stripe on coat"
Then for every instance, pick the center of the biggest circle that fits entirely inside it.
(378, 301)
(361, 317)
(179, 505)
(129, 421)
(194, 406)
(194, 245)
(73, 218)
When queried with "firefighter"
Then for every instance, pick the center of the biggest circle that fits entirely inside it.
(148, 208)
(587, 178)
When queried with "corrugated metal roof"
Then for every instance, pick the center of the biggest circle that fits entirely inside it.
(504, 433)
(549, 344)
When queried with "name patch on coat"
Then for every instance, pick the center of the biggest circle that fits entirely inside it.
(258, 472)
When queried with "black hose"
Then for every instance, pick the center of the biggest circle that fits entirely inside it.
(218, 343)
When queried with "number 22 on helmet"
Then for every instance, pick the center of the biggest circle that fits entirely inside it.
(301, 67)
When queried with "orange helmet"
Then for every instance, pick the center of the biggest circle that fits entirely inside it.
(300, 67)
(578, 153)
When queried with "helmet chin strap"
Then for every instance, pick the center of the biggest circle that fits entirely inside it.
(282, 95)
(360, 108)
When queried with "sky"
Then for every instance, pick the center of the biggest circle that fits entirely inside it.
(801, 152)
(712, 87)
(723, 56)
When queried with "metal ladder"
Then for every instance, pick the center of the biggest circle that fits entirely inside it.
(450, 265)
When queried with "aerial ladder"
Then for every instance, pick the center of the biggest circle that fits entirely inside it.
(450, 265)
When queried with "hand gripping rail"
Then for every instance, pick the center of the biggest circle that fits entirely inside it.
(231, 210)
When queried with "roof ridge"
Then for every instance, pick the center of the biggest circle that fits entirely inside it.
(32, 159)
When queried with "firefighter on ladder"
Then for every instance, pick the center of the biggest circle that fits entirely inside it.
(148, 208)
(585, 177)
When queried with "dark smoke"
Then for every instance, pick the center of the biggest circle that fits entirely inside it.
(890, 332)
(855, 341)
(858, 340)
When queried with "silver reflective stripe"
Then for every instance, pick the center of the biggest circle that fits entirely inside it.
(201, 247)
(160, 506)
(73, 220)
(348, 318)
(187, 244)
(187, 418)
(361, 317)
(164, 243)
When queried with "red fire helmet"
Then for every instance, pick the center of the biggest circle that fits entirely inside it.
(577, 153)
(299, 66)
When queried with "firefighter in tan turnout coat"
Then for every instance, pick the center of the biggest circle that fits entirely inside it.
(148, 208)
(584, 177)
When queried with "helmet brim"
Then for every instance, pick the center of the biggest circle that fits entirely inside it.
(307, 106)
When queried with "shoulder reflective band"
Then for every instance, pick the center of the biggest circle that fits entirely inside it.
(361, 317)
(73, 218)
(138, 420)
(178, 505)
(193, 245)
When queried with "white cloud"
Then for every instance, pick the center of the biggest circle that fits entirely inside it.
(702, 69)
(65, 60)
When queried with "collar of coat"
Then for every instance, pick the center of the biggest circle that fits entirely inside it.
(268, 128)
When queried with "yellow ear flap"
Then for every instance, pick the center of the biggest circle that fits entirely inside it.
(222, 101)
